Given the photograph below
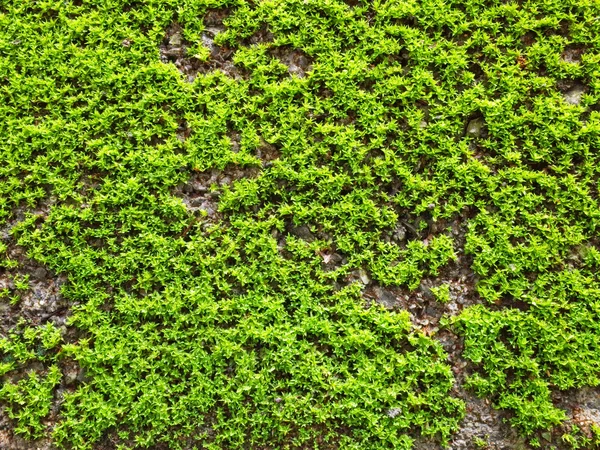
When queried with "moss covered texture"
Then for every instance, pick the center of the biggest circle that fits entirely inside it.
(217, 181)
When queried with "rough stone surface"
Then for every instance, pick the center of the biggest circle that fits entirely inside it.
(572, 91)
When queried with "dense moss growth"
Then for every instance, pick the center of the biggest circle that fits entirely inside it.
(324, 145)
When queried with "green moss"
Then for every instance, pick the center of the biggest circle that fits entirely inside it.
(441, 293)
(230, 329)
(29, 401)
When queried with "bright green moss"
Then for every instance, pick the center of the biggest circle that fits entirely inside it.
(441, 293)
(28, 402)
(230, 329)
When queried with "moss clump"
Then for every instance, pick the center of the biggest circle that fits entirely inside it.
(441, 293)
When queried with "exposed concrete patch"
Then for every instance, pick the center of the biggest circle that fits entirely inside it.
(477, 128)
(425, 310)
(236, 140)
(183, 131)
(573, 95)
(40, 303)
(197, 196)
(482, 422)
(297, 62)
(572, 91)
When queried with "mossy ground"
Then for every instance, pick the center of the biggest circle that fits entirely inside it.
(217, 182)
